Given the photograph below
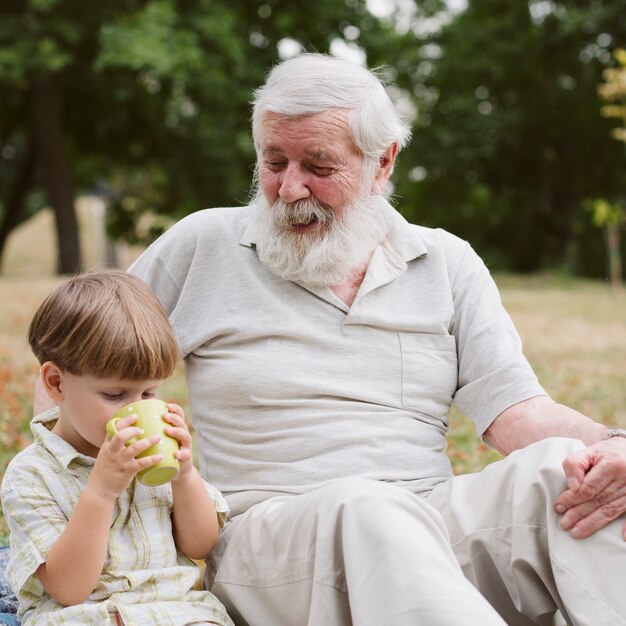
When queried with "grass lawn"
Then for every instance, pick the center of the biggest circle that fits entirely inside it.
(574, 335)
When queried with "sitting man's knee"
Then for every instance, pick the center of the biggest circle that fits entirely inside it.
(541, 463)
(351, 490)
(550, 453)
(376, 502)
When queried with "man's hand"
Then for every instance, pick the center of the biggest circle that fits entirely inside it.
(596, 494)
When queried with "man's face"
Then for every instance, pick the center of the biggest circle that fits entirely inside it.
(309, 158)
(319, 215)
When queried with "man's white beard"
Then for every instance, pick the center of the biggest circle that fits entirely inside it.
(328, 253)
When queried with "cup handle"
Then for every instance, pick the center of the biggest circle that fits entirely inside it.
(111, 429)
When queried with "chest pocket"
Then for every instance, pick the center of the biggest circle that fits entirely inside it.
(429, 372)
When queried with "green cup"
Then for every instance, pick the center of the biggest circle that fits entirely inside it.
(150, 419)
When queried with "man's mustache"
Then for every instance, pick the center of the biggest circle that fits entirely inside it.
(301, 212)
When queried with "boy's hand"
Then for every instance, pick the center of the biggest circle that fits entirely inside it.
(116, 465)
(179, 430)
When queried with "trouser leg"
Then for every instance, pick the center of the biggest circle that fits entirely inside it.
(507, 539)
(352, 552)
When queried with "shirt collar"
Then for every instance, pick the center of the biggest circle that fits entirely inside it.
(60, 449)
(248, 238)
(403, 238)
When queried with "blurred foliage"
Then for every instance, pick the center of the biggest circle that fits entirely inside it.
(509, 141)
(611, 218)
(613, 91)
(155, 93)
(604, 213)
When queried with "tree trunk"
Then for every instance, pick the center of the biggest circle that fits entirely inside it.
(615, 256)
(15, 201)
(55, 171)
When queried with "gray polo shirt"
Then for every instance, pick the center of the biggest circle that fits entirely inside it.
(290, 387)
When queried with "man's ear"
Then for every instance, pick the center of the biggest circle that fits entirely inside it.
(52, 379)
(384, 169)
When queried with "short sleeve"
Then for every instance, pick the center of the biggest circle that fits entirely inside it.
(35, 522)
(493, 371)
(219, 502)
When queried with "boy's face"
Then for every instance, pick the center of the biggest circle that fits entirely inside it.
(87, 403)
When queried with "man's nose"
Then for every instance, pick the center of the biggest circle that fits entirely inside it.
(293, 184)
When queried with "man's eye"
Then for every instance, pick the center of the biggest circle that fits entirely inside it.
(274, 166)
(319, 170)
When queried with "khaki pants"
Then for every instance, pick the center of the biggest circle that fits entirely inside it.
(366, 553)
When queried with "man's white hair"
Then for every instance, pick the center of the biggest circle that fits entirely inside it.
(314, 83)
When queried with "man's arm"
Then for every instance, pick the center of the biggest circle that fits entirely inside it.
(596, 475)
(538, 418)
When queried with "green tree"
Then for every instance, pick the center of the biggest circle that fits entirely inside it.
(611, 218)
(508, 141)
(146, 101)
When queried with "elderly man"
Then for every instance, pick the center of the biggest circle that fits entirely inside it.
(325, 339)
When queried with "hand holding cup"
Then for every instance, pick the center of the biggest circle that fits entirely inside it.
(150, 420)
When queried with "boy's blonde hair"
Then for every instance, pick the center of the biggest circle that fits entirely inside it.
(106, 324)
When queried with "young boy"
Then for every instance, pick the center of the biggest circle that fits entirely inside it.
(89, 544)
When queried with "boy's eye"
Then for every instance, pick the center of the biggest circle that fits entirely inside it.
(146, 395)
(113, 395)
